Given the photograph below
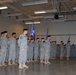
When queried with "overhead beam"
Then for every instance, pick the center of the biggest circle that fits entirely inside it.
(6, 1)
(19, 10)
(14, 14)
(34, 3)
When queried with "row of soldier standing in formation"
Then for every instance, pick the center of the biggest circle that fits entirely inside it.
(20, 50)
(45, 50)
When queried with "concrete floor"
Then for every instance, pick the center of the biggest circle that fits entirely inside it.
(56, 67)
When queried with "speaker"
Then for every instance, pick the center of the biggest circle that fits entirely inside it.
(56, 16)
(16, 17)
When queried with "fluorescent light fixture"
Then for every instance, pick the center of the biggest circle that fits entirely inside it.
(45, 11)
(3, 7)
(14, 14)
(40, 12)
(32, 22)
(74, 8)
(34, 3)
(37, 22)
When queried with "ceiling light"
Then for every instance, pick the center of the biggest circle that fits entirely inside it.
(37, 22)
(45, 11)
(4, 7)
(40, 12)
(34, 3)
(74, 8)
(32, 23)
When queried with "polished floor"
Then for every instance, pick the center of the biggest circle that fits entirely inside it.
(57, 67)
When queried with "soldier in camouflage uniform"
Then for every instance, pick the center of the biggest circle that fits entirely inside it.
(36, 49)
(7, 52)
(68, 50)
(28, 51)
(61, 50)
(31, 50)
(53, 50)
(23, 49)
(4, 47)
(0, 49)
(12, 49)
(42, 50)
(47, 50)
(17, 50)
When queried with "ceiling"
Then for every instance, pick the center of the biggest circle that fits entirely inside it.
(64, 7)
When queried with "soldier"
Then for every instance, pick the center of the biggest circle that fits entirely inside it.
(42, 50)
(7, 52)
(31, 50)
(28, 51)
(68, 49)
(12, 49)
(53, 50)
(23, 49)
(36, 49)
(61, 50)
(47, 50)
(4, 47)
(17, 50)
(0, 50)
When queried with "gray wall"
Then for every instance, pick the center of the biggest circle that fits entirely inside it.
(56, 28)
(11, 25)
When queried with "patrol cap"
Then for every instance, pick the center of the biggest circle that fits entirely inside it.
(25, 29)
(37, 38)
(61, 41)
(4, 32)
(13, 33)
(55, 41)
(32, 39)
(49, 35)
(68, 41)
(42, 38)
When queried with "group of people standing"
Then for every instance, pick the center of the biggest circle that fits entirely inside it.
(44, 50)
(25, 49)
(8, 49)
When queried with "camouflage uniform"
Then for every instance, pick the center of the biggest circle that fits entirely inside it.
(47, 50)
(36, 50)
(53, 51)
(31, 50)
(68, 50)
(42, 51)
(4, 47)
(12, 49)
(61, 50)
(23, 49)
